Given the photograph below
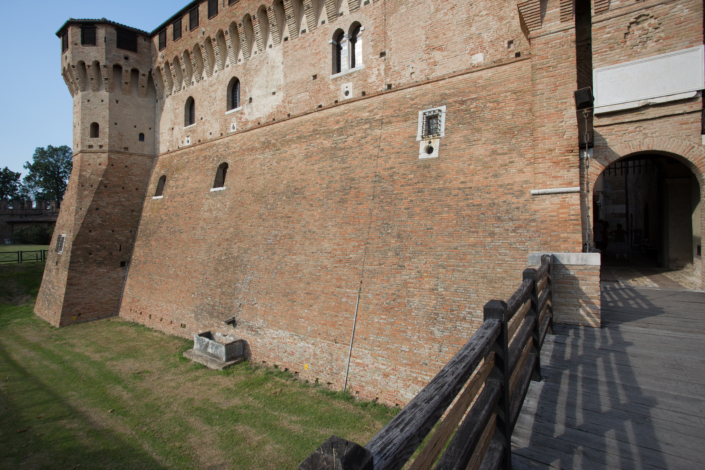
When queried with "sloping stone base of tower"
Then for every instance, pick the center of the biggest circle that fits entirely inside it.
(99, 218)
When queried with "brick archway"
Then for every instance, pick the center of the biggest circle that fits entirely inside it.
(688, 153)
(691, 155)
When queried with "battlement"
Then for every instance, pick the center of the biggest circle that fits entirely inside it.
(94, 50)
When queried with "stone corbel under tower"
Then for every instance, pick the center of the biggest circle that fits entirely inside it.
(107, 70)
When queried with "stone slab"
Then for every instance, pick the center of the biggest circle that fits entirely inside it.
(210, 362)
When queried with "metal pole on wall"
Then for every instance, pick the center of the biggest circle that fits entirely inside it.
(352, 337)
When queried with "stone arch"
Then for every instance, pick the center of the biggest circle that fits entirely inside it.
(264, 26)
(222, 49)
(187, 67)
(355, 44)
(233, 94)
(158, 82)
(176, 74)
(69, 81)
(168, 80)
(314, 12)
(280, 16)
(209, 57)
(197, 62)
(343, 7)
(339, 63)
(134, 82)
(274, 23)
(689, 154)
(96, 77)
(234, 44)
(81, 75)
(152, 91)
(117, 78)
(298, 8)
(249, 40)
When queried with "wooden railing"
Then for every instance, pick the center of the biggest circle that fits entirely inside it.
(486, 383)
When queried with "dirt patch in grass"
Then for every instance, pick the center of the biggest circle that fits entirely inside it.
(114, 394)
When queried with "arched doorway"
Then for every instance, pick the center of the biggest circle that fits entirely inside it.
(647, 214)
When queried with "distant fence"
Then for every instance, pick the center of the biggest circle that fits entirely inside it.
(33, 256)
(491, 372)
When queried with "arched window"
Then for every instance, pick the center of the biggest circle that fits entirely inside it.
(338, 39)
(141, 137)
(190, 112)
(354, 59)
(220, 176)
(160, 186)
(95, 130)
(234, 94)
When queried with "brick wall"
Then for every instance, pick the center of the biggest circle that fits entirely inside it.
(576, 287)
(627, 31)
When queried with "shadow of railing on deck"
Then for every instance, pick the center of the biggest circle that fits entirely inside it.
(590, 410)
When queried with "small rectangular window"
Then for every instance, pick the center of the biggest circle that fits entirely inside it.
(232, 2)
(212, 8)
(177, 29)
(432, 125)
(126, 40)
(162, 40)
(193, 19)
(65, 42)
(88, 35)
(60, 243)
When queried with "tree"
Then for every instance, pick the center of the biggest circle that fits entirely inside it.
(9, 184)
(48, 173)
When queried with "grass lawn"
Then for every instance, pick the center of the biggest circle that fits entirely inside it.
(114, 394)
(8, 253)
(5, 248)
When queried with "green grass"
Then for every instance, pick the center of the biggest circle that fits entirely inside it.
(8, 253)
(113, 394)
(5, 248)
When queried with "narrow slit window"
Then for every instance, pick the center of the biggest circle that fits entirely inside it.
(95, 130)
(60, 243)
(338, 52)
(354, 60)
(193, 19)
(176, 34)
(88, 35)
(220, 176)
(162, 40)
(212, 8)
(160, 186)
(190, 112)
(234, 94)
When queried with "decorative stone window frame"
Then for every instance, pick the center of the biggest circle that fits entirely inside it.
(441, 112)
(429, 145)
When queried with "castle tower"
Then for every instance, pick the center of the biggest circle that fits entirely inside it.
(106, 67)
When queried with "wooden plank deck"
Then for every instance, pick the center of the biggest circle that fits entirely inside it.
(630, 395)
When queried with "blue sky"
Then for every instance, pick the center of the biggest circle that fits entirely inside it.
(36, 105)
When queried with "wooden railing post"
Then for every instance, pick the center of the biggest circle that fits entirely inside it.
(530, 274)
(497, 309)
(535, 310)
